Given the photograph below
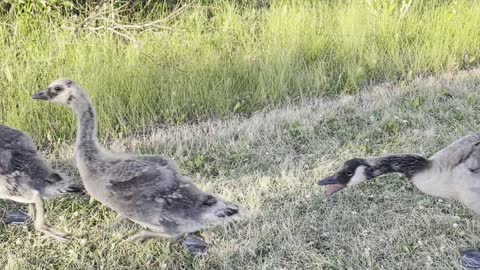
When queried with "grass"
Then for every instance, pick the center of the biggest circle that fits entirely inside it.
(224, 58)
(256, 105)
(270, 163)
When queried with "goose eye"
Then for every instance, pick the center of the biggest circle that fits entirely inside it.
(58, 88)
(349, 173)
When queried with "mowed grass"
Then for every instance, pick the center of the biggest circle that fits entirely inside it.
(270, 163)
(222, 58)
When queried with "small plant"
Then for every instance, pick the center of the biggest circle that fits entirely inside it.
(391, 126)
(417, 102)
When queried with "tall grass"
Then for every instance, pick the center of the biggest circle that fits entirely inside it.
(226, 58)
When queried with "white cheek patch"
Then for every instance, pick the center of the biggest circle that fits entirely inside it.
(62, 98)
(358, 176)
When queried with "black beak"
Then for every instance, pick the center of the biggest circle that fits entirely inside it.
(42, 95)
(328, 181)
(332, 185)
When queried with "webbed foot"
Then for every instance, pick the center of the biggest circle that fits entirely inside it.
(17, 217)
(470, 259)
(194, 245)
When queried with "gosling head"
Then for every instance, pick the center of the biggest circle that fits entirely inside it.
(352, 172)
(60, 91)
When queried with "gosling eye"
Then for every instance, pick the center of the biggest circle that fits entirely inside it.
(58, 88)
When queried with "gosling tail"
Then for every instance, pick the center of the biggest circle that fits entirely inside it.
(59, 184)
(218, 211)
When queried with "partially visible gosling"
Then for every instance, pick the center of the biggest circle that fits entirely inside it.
(26, 178)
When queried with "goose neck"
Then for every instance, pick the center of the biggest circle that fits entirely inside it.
(408, 165)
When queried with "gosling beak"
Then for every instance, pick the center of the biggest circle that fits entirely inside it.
(332, 185)
(42, 95)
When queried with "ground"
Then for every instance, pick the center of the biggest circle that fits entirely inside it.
(269, 163)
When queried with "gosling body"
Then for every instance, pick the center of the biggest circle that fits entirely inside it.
(147, 189)
(26, 178)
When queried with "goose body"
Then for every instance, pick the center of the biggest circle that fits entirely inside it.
(26, 178)
(147, 189)
(454, 173)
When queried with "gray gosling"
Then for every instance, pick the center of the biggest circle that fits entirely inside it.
(26, 178)
(146, 189)
(453, 173)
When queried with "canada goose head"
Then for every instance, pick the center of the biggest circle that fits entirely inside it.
(60, 91)
(353, 171)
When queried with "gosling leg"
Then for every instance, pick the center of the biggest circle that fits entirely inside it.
(31, 210)
(40, 224)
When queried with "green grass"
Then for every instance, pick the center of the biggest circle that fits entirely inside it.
(222, 62)
(225, 58)
(270, 163)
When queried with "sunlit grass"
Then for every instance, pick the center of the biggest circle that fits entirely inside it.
(224, 58)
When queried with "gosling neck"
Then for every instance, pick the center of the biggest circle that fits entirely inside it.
(86, 126)
(407, 165)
